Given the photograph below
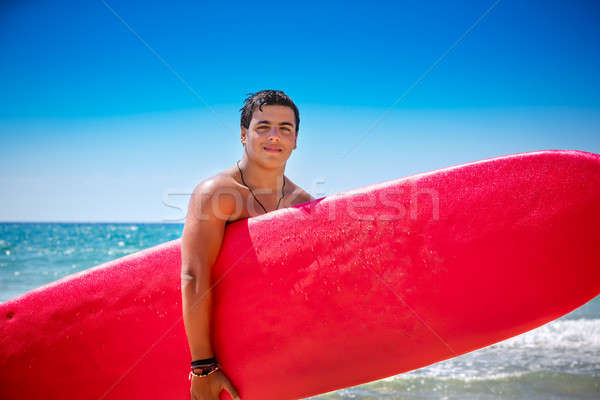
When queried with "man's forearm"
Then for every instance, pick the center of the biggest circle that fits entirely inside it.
(196, 304)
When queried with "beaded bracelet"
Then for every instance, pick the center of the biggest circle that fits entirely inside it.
(205, 372)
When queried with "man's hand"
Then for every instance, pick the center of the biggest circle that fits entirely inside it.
(209, 387)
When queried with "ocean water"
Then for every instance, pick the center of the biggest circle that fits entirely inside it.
(560, 360)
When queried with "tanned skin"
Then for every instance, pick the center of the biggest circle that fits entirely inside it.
(219, 200)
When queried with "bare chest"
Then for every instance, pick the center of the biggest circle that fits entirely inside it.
(251, 206)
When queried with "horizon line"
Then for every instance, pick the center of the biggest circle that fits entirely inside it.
(90, 222)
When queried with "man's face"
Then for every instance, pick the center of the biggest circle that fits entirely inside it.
(271, 136)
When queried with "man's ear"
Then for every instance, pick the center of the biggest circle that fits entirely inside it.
(243, 136)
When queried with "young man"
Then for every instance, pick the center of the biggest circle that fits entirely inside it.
(254, 185)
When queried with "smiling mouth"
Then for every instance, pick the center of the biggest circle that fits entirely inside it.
(272, 149)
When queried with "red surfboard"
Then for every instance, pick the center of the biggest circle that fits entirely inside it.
(328, 294)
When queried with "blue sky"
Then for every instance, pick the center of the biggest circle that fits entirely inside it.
(110, 108)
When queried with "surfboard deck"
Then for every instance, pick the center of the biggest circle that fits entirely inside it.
(332, 293)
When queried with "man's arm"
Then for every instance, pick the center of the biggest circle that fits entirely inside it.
(200, 246)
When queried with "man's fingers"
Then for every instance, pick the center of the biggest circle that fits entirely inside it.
(232, 392)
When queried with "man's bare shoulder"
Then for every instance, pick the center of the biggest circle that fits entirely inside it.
(221, 182)
(298, 195)
(219, 189)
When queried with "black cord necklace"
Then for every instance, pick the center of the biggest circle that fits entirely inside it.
(263, 207)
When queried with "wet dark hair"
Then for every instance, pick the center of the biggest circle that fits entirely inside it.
(269, 98)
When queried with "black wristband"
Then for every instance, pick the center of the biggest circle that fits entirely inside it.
(204, 363)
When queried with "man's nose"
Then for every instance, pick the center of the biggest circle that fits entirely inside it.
(274, 133)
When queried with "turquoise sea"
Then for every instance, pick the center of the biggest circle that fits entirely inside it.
(560, 360)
